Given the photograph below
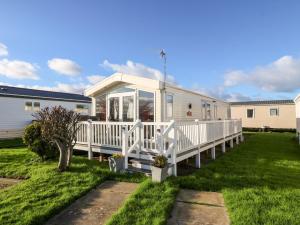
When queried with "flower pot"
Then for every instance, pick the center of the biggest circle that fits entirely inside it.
(159, 174)
(116, 164)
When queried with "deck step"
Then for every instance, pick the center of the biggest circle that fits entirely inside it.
(141, 163)
(132, 169)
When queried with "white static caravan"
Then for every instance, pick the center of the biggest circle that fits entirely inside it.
(18, 105)
(127, 98)
(141, 118)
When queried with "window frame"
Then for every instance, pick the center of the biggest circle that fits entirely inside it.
(27, 107)
(253, 113)
(277, 111)
(169, 95)
(34, 107)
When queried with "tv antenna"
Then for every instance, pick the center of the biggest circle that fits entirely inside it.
(163, 55)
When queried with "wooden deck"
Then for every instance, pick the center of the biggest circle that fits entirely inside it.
(143, 140)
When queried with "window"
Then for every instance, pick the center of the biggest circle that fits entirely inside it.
(203, 110)
(169, 101)
(84, 109)
(36, 106)
(28, 106)
(208, 111)
(250, 113)
(101, 107)
(215, 112)
(274, 112)
(128, 108)
(146, 106)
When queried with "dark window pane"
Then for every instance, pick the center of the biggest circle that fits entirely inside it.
(146, 106)
(128, 109)
(101, 107)
(114, 106)
(250, 113)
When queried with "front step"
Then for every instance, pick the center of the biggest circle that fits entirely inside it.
(141, 164)
(137, 170)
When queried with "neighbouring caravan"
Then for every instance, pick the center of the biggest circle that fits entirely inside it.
(18, 105)
(273, 114)
(297, 106)
(127, 98)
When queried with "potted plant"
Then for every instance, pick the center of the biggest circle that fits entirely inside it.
(159, 168)
(116, 162)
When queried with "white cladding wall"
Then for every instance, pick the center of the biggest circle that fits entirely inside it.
(181, 100)
(14, 117)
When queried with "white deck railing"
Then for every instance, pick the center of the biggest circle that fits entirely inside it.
(168, 138)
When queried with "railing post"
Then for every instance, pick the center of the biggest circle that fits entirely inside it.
(159, 138)
(174, 152)
(125, 146)
(90, 139)
(139, 136)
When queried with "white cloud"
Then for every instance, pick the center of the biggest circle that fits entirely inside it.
(137, 69)
(3, 50)
(64, 66)
(282, 75)
(17, 69)
(221, 93)
(93, 79)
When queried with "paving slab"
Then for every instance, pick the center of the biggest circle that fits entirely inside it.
(199, 208)
(96, 207)
(7, 182)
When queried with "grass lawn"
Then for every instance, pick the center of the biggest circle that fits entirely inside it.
(46, 191)
(260, 181)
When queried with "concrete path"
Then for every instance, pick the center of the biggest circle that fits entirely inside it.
(199, 208)
(6, 182)
(96, 207)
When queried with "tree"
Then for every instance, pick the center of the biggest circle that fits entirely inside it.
(59, 126)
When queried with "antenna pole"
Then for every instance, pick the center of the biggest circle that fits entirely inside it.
(164, 57)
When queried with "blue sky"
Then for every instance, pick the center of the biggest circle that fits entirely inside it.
(235, 50)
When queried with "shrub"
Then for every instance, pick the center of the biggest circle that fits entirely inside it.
(33, 139)
(117, 156)
(160, 161)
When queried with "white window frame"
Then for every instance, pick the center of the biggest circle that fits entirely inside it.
(28, 108)
(166, 106)
(35, 108)
(277, 111)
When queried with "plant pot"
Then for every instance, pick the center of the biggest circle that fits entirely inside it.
(116, 164)
(159, 174)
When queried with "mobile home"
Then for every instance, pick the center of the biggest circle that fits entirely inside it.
(126, 98)
(140, 118)
(272, 114)
(19, 104)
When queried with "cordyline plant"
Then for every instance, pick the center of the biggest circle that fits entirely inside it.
(59, 126)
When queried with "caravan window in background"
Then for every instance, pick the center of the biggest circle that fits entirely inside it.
(28, 106)
(274, 112)
(82, 109)
(36, 106)
(250, 113)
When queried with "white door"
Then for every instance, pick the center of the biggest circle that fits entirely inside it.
(121, 107)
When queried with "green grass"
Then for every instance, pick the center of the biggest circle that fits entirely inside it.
(11, 143)
(150, 204)
(45, 191)
(260, 180)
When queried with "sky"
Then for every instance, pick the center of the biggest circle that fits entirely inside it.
(234, 50)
